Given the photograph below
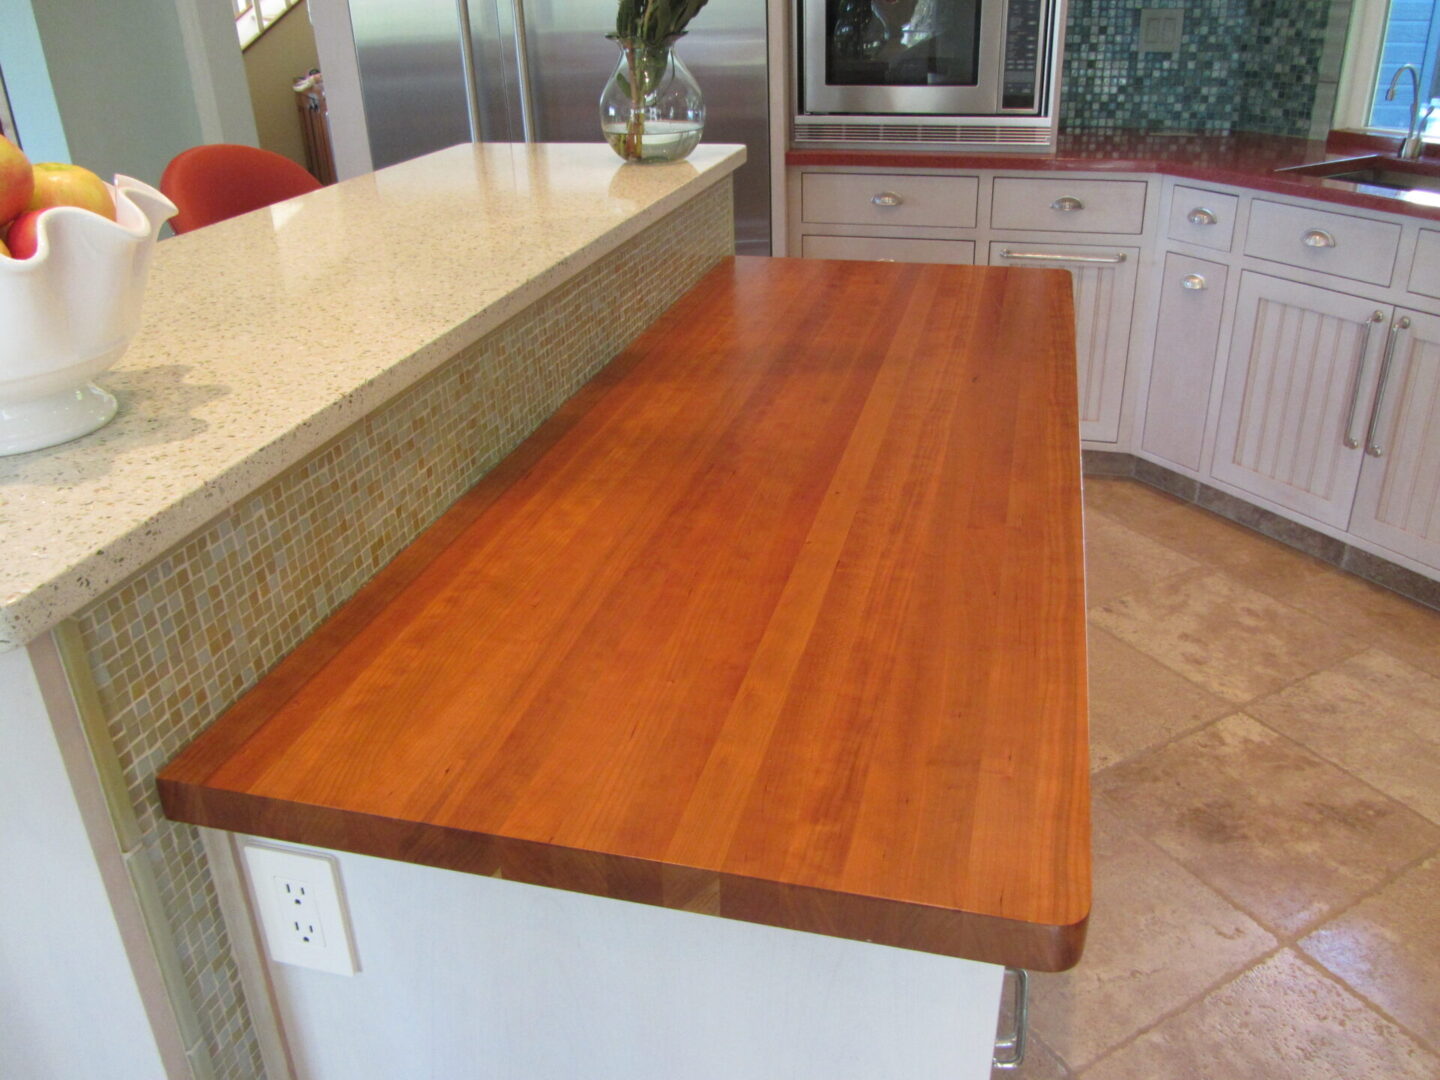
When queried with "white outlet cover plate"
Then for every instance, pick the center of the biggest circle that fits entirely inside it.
(1161, 29)
(264, 865)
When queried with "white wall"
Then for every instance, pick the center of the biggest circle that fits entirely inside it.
(122, 87)
(69, 1006)
(335, 44)
(470, 977)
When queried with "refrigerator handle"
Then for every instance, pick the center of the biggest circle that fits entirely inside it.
(522, 72)
(467, 62)
(467, 66)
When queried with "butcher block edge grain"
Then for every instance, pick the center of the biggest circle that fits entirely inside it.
(781, 618)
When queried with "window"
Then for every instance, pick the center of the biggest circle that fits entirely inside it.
(252, 17)
(1384, 35)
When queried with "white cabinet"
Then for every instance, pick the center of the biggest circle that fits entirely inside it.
(1058, 204)
(901, 199)
(1104, 283)
(888, 249)
(1278, 408)
(1398, 502)
(1187, 336)
(1340, 244)
(1332, 408)
(1425, 269)
(1199, 216)
(1302, 371)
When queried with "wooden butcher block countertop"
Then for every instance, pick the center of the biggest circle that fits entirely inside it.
(781, 618)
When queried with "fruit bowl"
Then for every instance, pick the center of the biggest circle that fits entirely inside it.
(69, 312)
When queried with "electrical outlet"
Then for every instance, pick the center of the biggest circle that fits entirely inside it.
(1161, 30)
(303, 925)
(297, 894)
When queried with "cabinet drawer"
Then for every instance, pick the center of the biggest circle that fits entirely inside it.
(1348, 247)
(1425, 271)
(1203, 217)
(888, 249)
(854, 199)
(1092, 206)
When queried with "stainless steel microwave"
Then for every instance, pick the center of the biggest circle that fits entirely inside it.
(922, 71)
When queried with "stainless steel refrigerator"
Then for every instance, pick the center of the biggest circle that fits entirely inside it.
(538, 68)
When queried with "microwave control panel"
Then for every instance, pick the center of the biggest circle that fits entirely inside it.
(1020, 88)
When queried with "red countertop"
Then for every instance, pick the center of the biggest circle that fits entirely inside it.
(1245, 160)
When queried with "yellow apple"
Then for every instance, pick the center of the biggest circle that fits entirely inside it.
(58, 184)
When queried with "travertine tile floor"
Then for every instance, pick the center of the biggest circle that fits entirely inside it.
(1265, 735)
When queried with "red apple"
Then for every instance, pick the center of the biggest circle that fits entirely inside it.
(17, 180)
(24, 237)
(58, 184)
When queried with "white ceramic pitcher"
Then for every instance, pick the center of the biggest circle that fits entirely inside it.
(69, 311)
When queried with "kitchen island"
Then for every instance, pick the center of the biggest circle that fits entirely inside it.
(836, 425)
(312, 385)
(780, 619)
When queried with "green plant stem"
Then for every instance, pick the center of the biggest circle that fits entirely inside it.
(635, 127)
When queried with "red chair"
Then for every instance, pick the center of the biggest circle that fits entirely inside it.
(212, 183)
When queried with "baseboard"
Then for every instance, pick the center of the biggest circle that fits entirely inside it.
(1363, 564)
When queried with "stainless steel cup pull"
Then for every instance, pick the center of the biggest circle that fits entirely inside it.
(1066, 203)
(1193, 281)
(886, 198)
(1318, 238)
(1010, 1047)
(1201, 216)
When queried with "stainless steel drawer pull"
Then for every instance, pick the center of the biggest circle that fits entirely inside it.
(1012, 1045)
(1351, 442)
(1201, 216)
(1372, 433)
(1192, 281)
(1066, 203)
(886, 198)
(1318, 238)
(1045, 256)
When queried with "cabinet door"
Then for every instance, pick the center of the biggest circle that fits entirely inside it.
(1192, 300)
(1398, 503)
(1104, 282)
(1303, 364)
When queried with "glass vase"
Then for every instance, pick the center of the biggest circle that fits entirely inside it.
(652, 108)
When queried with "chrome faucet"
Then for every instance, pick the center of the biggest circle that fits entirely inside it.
(1414, 142)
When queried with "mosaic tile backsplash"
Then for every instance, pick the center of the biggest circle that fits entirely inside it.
(173, 647)
(1243, 65)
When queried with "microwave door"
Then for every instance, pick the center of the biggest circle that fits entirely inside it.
(936, 57)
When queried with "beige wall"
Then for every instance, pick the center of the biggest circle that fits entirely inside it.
(272, 63)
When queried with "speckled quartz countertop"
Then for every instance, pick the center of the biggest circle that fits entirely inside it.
(265, 336)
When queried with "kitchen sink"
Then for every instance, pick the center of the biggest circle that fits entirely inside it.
(1379, 170)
